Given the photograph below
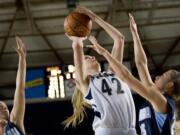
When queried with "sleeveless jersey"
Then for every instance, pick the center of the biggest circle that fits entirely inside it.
(113, 105)
(153, 123)
(11, 129)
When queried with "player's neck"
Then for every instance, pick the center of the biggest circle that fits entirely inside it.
(93, 72)
(2, 130)
(3, 124)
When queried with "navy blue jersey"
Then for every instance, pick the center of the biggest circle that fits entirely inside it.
(153, 123)
(11, 129)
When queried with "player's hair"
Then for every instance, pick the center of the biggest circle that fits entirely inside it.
(78, 109)
(175, 77)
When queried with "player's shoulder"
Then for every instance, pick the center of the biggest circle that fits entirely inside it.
(170, 102)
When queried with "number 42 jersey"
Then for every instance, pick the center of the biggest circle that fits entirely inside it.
(113, 105)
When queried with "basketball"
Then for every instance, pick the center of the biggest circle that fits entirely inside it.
(77, 24)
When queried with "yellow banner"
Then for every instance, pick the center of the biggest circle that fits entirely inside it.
(33, 83)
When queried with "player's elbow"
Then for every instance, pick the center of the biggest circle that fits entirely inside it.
(120, 38)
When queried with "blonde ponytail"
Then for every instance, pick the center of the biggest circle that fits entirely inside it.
(78, 109)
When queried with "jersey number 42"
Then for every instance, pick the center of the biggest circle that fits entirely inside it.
(107, 88)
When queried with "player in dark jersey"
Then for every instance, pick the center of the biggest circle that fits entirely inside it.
(13, 123)
(109, 97)
(156, 116)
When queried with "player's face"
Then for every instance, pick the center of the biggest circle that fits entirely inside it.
(4, 112)
(163, 80)
(91, 64)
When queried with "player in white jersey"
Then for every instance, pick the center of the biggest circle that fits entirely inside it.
(13, 123)
(113, 105)
(110, 97)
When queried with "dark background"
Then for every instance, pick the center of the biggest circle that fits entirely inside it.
(46, 118)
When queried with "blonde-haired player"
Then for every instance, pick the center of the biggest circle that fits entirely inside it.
(109, 96)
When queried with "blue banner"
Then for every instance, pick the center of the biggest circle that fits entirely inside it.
(35, 85)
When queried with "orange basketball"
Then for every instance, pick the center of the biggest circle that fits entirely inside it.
(77, 24)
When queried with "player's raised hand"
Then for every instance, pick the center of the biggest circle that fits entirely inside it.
(133, 26)
(86, 11)
(96, 46)
(21, 50)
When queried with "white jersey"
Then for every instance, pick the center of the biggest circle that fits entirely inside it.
(113, 105)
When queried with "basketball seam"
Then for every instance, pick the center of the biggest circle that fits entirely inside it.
(71, 27)
(79, 22)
